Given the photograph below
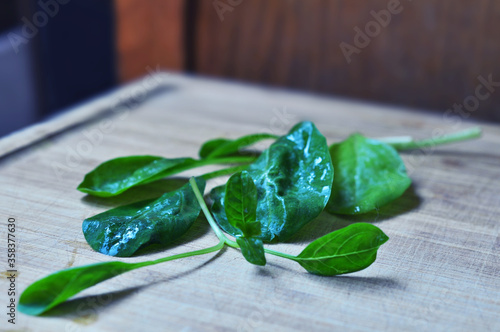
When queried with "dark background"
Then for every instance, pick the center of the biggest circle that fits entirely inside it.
(69, 58)
(429, 56)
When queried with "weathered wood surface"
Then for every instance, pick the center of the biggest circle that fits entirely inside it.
(439, 271)
(109, 103)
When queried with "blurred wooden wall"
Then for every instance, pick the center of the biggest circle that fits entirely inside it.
(149, 36)
(429, 55)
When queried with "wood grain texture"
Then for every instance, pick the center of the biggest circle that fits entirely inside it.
(117, 101)
(149, 34)
(429, 55)
(439, 271)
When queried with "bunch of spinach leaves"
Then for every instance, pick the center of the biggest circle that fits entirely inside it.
(268, 198)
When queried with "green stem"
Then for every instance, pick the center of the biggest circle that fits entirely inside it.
(218, 231)
(200, 163)
(408, 143)
(228, 160)
(232, 244)
(225, 171)
(208, 250)
(207, 214)
(280, 254)
(269, 251)
(209, 217)
(36, 299)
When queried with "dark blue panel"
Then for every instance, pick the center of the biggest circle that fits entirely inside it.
(76, 50)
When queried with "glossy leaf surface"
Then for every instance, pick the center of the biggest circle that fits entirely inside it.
(117, 175)
(56, 288)
(241, 204)
(123, 230)
(293, 179)
(46, 293)
(368, 175)
(347, 250)
(252, 249)
(210, 146)
(241, 212)
(221, 147)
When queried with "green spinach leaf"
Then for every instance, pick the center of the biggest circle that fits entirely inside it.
(347, 250)
(117, 175)
(368, 175)
(210, 146)
(241, 212)
(252, 249)
(221, 147)
(56, 288)
(241, 204)
(123, 230)
(286, 187)
(293, 178)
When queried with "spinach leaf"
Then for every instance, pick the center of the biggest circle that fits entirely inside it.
(241, 204)
(123, 230)
(294, 180)
(241, 211)
(220, 147)
(368, 174)
(210, 146)
(252, 249)
(288, 185)
(347, 250)
(56, 288)
(117, 175)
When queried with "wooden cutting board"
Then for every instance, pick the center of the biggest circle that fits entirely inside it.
(439, 271)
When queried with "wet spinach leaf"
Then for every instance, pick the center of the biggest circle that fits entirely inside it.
(241, 212)
(285, 188)
(120, 174)
(368, 175)
(293, 178)
(123, 230)
(347, 250)
(117, 175)
(241, 204)
(252, 249)
(220, 147)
